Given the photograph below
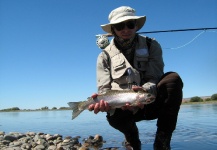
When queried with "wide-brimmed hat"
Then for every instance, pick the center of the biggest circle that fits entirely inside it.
(121, 14)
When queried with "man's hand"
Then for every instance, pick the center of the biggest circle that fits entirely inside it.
(150, 87)
(102, 106)
(138, 88)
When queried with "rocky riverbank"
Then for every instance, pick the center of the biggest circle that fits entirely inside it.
(42, 141)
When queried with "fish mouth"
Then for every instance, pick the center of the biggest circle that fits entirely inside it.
(149, 101)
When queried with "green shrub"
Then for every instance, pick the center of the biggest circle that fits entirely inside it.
(208, 99)
(214, 97)
(64, 108)
(15, 108)
(196, 99)
(44, 108)
(11, 109)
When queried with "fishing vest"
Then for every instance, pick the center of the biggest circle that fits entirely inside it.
(119, 64)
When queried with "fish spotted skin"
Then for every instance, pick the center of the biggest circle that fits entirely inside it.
(115, 99)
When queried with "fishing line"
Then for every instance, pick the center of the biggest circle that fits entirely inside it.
(187, 42)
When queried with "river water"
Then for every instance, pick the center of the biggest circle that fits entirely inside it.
(196, 127)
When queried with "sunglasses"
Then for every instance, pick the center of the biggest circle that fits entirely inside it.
(121, 26)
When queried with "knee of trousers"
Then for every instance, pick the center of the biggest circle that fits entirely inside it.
(121, 120)
(171, 78)
(170, 86)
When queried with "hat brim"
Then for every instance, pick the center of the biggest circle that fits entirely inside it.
(140, 22)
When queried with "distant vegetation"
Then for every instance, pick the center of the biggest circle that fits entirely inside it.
(201, 99)
(11, 109)
(196, 99)
(214, 97)
(42, 108)
(192, 100)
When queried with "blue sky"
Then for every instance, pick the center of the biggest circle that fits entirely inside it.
(48, 48)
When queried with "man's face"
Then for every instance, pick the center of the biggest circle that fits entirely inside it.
(126, 29)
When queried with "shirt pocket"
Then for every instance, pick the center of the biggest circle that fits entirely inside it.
(141, 59)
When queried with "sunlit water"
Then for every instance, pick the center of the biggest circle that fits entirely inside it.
(196, 127)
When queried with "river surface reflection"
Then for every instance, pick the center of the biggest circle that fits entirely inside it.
(196, 127)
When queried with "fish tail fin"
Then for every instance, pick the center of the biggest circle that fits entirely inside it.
(75, 109)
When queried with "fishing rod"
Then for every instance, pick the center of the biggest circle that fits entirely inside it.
(103, 41)
(160, 31)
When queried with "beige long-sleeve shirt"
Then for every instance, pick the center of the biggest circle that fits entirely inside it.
(148, 62)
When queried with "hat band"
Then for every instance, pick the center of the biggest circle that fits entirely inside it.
(124, 14)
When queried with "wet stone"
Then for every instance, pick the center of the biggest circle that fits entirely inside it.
(31, 133)
(52, 147)
(10, 138)
(13, 148)
(2, 133)
(42, 141)
(39, 147)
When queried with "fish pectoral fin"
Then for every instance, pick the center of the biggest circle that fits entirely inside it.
(111, 112)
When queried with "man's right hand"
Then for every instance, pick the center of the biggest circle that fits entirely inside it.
(102, 106)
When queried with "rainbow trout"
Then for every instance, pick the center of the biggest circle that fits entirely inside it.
(115, 99)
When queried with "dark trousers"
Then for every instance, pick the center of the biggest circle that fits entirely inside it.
(165, 109)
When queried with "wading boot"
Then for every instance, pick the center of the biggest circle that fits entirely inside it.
(133, 146)
(162, 141)
(132, 139)
(127, 145)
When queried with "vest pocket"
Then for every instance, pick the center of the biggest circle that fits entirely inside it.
(118, 66)
(118, 63)
(141, 59)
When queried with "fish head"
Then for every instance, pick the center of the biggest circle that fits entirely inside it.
(145, 97)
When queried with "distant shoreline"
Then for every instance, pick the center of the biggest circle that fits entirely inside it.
(204, 102)
(32, 110)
